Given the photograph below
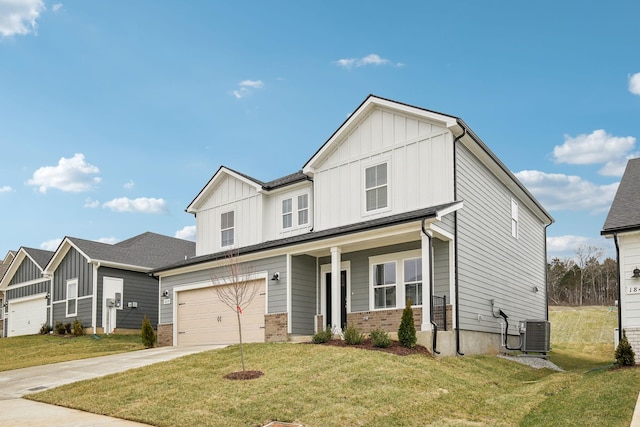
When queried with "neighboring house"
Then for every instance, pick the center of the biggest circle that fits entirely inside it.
(400, 202)
(27, 304)
(623, 225)
(4, 266)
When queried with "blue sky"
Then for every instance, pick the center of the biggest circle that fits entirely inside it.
(114, 115)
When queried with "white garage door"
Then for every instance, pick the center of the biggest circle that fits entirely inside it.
(26, 317)
(203, 319)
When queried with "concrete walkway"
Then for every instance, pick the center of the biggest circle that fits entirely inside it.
(635, 421)
(19, 382)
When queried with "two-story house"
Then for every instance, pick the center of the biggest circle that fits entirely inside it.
(399, 203)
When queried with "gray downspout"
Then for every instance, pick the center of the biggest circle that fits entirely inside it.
(615, 240)
(434, 344)
(455, 232)
(546, 273)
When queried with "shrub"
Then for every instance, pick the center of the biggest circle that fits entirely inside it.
(67, 327)
(148, 335)
(323, 336)
(78, 329)
(46, 328)
(380, 338)
(353, 336)
(624, 354)
(60, 329)
(407, 330)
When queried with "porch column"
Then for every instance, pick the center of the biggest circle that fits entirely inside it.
(427, 282)
(336, 312)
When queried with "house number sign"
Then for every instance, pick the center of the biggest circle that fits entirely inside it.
(633, 289)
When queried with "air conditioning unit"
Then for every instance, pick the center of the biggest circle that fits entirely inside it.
(535, 335)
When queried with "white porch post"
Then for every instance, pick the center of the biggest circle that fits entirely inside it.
(336, 311)
(426, 282)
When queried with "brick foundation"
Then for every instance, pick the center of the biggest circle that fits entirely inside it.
(275, 327)
(165, 335)
(437, 317)
(633, 336)
(387, 320)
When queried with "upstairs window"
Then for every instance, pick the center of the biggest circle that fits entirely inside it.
(303, 209)
(287, 215)
(384, 285)
(514, 218)
(226, 229)
(72, 297)
(376, 187)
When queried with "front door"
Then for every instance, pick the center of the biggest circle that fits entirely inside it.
(343, 299)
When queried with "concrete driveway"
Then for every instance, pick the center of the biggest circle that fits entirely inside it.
(19, 382)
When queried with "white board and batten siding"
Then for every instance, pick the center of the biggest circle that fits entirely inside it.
(492, 263)
(419, 155)
(629, 298)
(272, 211)
(231, 194)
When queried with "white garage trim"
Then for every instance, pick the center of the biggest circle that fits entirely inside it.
(17, 301)
(263, 275)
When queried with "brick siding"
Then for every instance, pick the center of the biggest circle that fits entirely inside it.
(165, 335)
(275, 327)
(387, 320)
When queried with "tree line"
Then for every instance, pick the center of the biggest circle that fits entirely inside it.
(582, 280)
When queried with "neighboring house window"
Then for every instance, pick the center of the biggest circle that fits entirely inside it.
(514, 218)
(287, 215)
(226, 227)
(303, 209)
(376, 187)
(72, 297)
(384, 285)
(413, 280)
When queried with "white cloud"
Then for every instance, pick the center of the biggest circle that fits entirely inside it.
(634, 84)
(6, 189)
(56, 7)
(129, 185)
(140, 205)
(50, 245)
(371, 59)
(566, 192)
(595, 148)
(91, 204)
(108, 240)
(19, 16)
(72, 175)
(564, 244)
(246, 88)
(187, 233)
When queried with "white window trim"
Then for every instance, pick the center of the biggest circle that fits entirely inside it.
(67, 299)
(283, 214)
(298, 210)
(398, 258)
(515, 222)
(366, 166)
(222, 245)
(295, 225)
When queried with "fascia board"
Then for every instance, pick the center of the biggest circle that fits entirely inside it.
(213, 182)
(60, 253)
(13, 267)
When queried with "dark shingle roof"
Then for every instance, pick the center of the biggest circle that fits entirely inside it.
(624, 214)
(40, 256)
(149, 250)
(316, 235)
(276, 183)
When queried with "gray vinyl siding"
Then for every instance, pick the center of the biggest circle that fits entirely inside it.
(277, 290)
(491, 263)
(303, 294)
(27, 271)
(359, 261)
(441, 285)
(28, 290)
(73, 266)
(138, 287)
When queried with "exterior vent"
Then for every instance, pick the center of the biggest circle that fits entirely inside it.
(535, 336)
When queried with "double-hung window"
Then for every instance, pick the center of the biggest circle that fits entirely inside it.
(287, 215)
(384, 285)
(514, 218)
(376, 187)
(226, 229)
(413, 280)
(72, 297)
(303, 209)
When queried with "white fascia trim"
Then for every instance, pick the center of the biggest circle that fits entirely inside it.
(30, 282)
(27, 298)
(443, 212)
(204, 193)
(62, 251)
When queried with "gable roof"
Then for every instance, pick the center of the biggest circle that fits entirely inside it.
(139, 253)
(624, 214)
(39, 257)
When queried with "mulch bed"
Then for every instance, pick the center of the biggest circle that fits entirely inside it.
(244, 375)
(395, 347)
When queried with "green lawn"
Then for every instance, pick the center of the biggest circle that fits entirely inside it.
(34, 350)
(330, 386)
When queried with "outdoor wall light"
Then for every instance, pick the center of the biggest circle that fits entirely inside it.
(636, 273)
(276, 276)
(535, 289)
(47, 296)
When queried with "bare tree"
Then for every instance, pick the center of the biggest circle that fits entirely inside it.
(236, 289)
(587, 258)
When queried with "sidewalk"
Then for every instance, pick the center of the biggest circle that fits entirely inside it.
(19, 382)
(635, 421)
